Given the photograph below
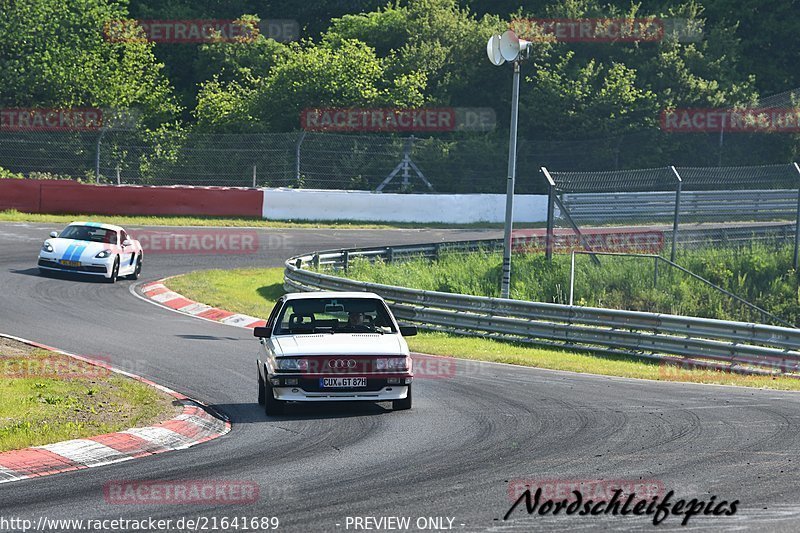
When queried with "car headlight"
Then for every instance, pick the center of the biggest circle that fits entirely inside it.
(47, 247)
(292, 364)
(103, 254)
(392, 363)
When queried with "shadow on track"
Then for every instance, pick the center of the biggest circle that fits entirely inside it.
(34, 272)
(208, 338)
(252, 413)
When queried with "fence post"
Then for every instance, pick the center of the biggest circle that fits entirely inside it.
(118, 178)
(678, 188)
(97, 157)
(254, 176)
(297, 155)
(548, 242)
(797, 224)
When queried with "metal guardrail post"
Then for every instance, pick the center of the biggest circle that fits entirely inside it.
(346, 260)
(548, 239)
(797, 224)
(655, 271)
(389, 254)
(678, 188)
(315, 261)
(572, 278)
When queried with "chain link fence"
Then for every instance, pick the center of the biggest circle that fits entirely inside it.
(464, 164)
(672, 208)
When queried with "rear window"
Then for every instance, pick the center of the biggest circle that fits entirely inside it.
(334, 315)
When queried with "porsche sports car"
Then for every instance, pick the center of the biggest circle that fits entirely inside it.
(94, 249)
(333, 346)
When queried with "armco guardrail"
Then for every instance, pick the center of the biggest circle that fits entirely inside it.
(603, 330)
(773, 204)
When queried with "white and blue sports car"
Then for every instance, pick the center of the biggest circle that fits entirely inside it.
(92, 248)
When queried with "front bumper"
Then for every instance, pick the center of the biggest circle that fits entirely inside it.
(97, 267)
(309, 389)
(296, 394)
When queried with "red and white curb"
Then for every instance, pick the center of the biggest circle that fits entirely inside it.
(193, 426)
(161, 294)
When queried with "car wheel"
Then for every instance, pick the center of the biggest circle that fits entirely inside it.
(272, 407)
(138, 270)
(261, 394)
(402, 405)
(114, 272)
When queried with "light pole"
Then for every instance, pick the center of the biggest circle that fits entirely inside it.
(502, 48)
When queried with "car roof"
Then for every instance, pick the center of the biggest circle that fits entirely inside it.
(97, 225)
(330, 294)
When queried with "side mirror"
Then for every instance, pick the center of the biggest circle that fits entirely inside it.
(408, 331)
(54, 234)
(126, 242)
(262, 332)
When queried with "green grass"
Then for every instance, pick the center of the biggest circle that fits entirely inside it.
(234, 222)
(249, 291)
(254, 292)
(47, 398)
(760, 273)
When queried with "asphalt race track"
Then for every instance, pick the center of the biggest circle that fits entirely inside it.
(453, 455)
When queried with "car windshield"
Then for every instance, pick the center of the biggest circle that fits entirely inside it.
(89, 233)
(334, 315)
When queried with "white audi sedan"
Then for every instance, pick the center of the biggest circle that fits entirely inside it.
(333, 346)
(92, 248)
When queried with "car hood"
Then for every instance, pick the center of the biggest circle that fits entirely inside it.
(73, 250)
(341, 344)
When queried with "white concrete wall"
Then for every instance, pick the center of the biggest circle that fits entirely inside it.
(310, 204)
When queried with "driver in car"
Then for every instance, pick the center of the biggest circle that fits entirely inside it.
(355, 321)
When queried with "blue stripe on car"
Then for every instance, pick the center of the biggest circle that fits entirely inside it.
(68, 252)
(76, 255)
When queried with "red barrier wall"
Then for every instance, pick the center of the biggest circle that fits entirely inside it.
(22, 195)
(64, 196)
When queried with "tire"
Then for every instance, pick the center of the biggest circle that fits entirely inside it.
(261, 392)
(403, 405)
(114, 272)
(138, 270)
(272, 407)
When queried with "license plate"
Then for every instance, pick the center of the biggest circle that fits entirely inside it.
(70, 263)
(342, 383)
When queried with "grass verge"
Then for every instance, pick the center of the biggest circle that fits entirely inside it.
(761, 273)
(46, 397)
(234, 222)
(254, 292)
